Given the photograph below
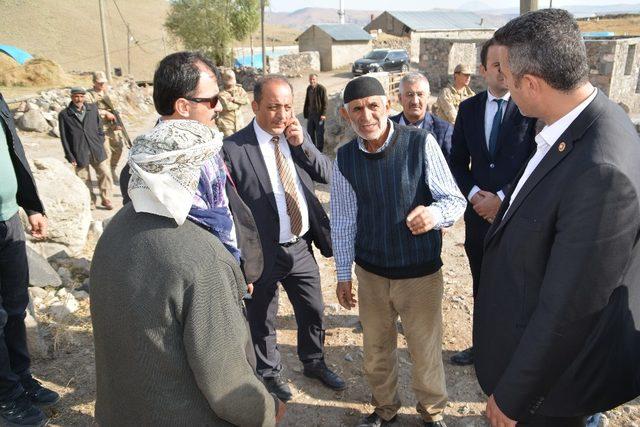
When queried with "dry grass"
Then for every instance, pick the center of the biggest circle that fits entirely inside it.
(35, 72)
(627, 26)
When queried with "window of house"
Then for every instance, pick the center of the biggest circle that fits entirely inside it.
(631, 54)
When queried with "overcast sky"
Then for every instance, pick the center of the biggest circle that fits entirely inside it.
(291, 5)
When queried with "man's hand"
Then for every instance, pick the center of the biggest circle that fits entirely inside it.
(488, 206)
(420, 220)
(250, 288)
(293, 132)
(38, 223)
(109, 116)
(323, 118)
(282, 408)
(345, 295)
(74, 164)
(496, 417)
(477, 198)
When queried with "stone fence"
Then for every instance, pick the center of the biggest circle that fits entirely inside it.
(294, 65)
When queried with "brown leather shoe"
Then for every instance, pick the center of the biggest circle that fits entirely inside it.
(106, 203)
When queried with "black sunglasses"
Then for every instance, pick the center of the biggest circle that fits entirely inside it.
(213, 101)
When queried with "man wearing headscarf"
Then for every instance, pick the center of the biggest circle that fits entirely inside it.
(167, 285)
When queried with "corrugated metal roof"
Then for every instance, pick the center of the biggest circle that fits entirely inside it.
(345, 32)
(439, 20)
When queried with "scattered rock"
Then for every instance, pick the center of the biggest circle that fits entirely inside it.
(35, 340)
(64, 307)
(80, 266)
(84, 287)
(38, 293)
(68, 207)
(41, 274)
(80, 294)
(348, 357)
(33, 121)
(65, 276)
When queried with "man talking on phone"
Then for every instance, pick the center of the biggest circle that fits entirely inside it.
(273, 163)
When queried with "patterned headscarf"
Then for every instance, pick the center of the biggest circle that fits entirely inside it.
(166, 165)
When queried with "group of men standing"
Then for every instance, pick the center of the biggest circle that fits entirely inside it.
(552, 223)
(92, 137)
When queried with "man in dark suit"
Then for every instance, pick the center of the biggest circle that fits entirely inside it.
(491, 143)
(273, 164)
(315, 110)
(83, 144)
(20, 394)
(557, 315)
(414, 92)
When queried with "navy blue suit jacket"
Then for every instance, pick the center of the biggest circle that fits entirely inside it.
(441, 129)
(469, 146)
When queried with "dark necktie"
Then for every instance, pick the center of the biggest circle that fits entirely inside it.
(495, 128)
(289, 185)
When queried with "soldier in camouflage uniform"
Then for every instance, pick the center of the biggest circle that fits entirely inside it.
(113, 138)
(232, 97)
(446, 107)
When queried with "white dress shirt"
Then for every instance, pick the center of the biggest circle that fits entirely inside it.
(546, 138)
(490, 111)
(269, 155)
(420, 124)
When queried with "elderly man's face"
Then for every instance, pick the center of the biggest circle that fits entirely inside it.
(78, 99)
(313, 81)
(275, 108)
(368, 116)
(414, 99)
(207, 88)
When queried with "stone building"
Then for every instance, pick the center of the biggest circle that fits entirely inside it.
(417, 25)
(338, 44)
(614, 68)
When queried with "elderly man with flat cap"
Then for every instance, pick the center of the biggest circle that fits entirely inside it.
(82, 140)
(391, 194)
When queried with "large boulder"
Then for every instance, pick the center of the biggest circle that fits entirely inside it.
(41, 274)
(68, 205)
(33, 121)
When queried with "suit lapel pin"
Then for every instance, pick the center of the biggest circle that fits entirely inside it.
(561, 147)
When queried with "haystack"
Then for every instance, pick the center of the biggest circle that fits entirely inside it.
(34, 72)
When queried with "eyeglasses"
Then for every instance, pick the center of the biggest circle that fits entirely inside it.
(213, 101)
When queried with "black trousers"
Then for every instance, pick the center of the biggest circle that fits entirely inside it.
(298, 272)
(475, 230)
(315, 127)
(14, 298)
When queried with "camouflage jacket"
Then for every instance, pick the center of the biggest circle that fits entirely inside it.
(232, 100)
(105, 104)
(446, 107)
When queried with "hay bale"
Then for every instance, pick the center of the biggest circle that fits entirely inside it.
(34, 72)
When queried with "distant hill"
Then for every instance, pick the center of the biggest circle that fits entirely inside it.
(303, 18)
(68, 32)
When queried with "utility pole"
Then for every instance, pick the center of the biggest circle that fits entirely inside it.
(341, 13)
(264, 53)
(129, 39)
(528, 6)
(251, 47)
(105, 44)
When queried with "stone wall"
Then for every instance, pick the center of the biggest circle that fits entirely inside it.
(439, 57)
(294, 65)
(416, 39)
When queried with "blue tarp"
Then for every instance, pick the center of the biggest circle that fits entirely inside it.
(18, 54)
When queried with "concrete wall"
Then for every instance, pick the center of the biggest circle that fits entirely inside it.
(317, 40)
(345, 53)
(294, 65)
(439, 57)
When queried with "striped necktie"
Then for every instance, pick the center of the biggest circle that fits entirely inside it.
(289, 185)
